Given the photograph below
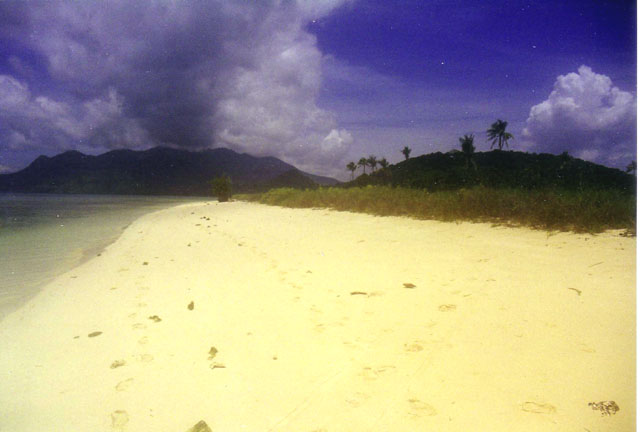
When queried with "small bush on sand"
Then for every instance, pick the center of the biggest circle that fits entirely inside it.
(222, 188)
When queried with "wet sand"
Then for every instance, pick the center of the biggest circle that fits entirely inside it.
(260, 318)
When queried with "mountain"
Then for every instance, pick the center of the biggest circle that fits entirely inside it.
(440, 171)
(158, 171)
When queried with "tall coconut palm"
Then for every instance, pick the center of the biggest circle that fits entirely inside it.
(466, 142)
(383, 163)
(406, 151)
(351, 166)
(363, 163)
(497, 134)
(372, 161)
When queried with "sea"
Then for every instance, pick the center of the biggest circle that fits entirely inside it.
(45, 235)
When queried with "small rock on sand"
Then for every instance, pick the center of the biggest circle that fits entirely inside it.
(95, 333)
(191, 305)
(408, 285)
(201, 426)
(212, 352)
(155, 318)
(117, 364)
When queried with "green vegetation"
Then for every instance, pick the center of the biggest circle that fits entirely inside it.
(466, 142)
(579, 211)
(222, 188)
(544, 191)
(351, 166)
(497, 133)
(406, 151)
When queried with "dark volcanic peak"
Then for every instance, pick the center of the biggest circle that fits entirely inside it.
(157, 171)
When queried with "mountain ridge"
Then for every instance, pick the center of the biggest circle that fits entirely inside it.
(156, 171)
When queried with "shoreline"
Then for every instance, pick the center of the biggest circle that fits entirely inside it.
(99, 230)
(326, 320)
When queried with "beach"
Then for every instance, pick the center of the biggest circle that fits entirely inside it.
(260, 318)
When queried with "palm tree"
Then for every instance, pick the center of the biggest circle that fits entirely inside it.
(497, 134)
(466, 142)
(363, 163)
(406, 151)
(383, 163)
(352, 167)
(372, 161)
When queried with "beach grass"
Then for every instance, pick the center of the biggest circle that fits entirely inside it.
(590, 211)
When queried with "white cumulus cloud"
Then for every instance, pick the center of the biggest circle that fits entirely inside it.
(587, 116)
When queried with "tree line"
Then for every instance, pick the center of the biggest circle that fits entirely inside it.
(497, 134)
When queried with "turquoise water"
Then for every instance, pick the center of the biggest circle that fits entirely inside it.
(45, 235)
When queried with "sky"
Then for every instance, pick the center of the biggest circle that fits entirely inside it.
(317, 83)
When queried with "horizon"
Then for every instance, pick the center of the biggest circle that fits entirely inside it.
(268, 156)
(317, 84)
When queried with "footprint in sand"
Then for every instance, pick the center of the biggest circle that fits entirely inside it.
(357, 399)
(139, 326)
(124, 385)
(586, 348)
(413, 347)
(371, 374)
(538, 408)
(119, 419)
(447, 307)
(143, 340)
(417, 408)
(145, 358)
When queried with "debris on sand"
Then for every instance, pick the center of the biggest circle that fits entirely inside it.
(117, 364)
(408, 285)
(201, 426)
(212, 352)
(606, 408)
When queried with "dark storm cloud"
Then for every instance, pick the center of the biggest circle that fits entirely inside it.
(191, 74)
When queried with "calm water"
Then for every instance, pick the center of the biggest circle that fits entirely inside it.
(45, 235)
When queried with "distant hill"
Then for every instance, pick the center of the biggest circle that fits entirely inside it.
(158, 171)
(441, 171)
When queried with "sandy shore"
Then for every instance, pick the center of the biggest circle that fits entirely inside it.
(327, 321)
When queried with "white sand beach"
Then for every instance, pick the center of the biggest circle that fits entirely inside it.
(313, 320)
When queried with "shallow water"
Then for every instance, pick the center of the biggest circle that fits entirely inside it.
(45, 235)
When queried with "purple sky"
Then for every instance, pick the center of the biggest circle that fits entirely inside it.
(317, 83)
